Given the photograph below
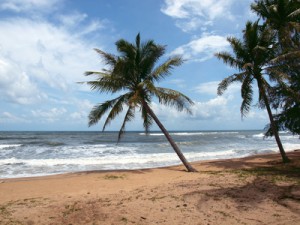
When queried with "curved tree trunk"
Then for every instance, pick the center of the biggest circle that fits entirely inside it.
(170, 139)
(285, 159)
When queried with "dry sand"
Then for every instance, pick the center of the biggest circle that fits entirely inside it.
(252, 190)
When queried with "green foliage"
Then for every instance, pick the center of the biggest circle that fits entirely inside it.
(283, 18)
(250, 56)
(134, 72)
(269, 49)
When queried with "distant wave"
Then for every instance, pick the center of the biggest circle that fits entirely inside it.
(187, 133)
(283, 136)
(7, 146)
(261, 135)
(191, 133)
(152, 134)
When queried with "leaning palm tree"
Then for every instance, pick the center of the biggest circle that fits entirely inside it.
(133, 74)
(250, 56)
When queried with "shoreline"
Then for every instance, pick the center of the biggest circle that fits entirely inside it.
(256, 189)
(37, 155)
(260, 155)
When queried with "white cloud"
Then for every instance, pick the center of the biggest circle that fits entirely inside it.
(75, 22)
(192, 14)
(200, 110)
(28, 5)
(44, 56)
(258, 115)
(92, 27)
(214, 109)
(83, 109)
(208, 88)
(212, 87)
(203, 48)
(189, 8)
(73, 19)
(7, 117)
(16, 86)
(51, 115)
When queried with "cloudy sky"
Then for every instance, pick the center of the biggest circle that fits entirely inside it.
(47, 45)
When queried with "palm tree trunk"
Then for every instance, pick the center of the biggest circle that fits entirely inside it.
(170, 139)
(274, 128)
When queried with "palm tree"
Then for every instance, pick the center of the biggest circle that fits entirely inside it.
(283, 17)
(250, 56)
(135, 72)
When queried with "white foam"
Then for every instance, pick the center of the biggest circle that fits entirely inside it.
(261, 135)
(9, 146)
(191, 133)
(289, 137)
(97, 149)
(152, 134)
(159, 158)
(291, 147)
(187, 134)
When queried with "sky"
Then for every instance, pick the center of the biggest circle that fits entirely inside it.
(47, 45)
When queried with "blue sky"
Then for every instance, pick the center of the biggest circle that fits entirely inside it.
(47, 45)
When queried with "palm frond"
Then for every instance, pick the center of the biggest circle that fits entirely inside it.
(164, 69)
(138, 40)
(227, 58)
(224, 84)
(99, 110)
(107, 85)
(240, 50)
(109, 59)
(169, 97)
(286, 56)
(260, 9)
(99, 74)
(147, 119)
(295, 13)
(128, 117)
(117, 108)
(150, 54)
(247, 95)
(173, 98)
(126, 49)
(151, 50)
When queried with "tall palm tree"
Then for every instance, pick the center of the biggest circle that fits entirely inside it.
(283, 17)
(135, 72)
(250, 56)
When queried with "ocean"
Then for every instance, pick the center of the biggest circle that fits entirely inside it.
(28, 154)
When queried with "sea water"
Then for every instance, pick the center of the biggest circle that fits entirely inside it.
(24, 154)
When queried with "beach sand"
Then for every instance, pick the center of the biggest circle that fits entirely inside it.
(252, 190)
